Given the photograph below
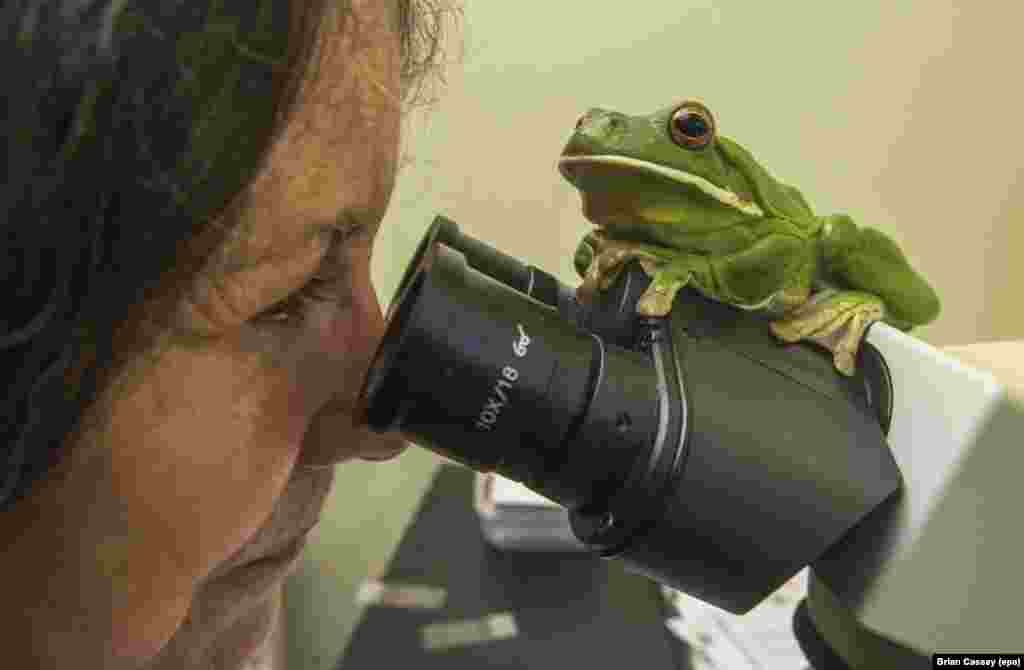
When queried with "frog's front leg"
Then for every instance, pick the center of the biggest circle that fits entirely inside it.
(599, 260)
(834, 319)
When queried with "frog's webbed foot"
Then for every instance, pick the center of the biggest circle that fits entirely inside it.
(835, 320)
(604, 258)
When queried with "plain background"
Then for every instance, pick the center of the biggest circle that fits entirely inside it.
(907, 115)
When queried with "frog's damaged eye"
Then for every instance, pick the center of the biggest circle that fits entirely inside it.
(692, 125)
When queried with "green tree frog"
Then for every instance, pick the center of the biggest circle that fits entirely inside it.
(695, 208)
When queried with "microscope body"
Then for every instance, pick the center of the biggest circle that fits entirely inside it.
(705, 454)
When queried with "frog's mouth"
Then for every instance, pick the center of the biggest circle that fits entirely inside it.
(571, 165)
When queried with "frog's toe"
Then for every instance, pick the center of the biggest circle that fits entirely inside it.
(844, 361)
(811, 317)
(785, 331)
(610, 259)
(657, 300)
(607, 266)
(847, 342)
(654, 305)
(589, 286)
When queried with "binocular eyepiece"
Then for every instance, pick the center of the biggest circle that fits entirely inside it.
(695, 448)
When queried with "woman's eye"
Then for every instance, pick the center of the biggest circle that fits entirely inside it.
(294, 309)
(328, 285)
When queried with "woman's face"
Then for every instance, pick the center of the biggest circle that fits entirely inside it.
(332, 169)
(334, 165)
(222, 447)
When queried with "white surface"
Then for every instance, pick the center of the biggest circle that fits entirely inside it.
(508, 492)
(939, 406)
(942, 571)
(514, 517)
(761, 639)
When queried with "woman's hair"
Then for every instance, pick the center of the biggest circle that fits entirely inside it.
(128, 127)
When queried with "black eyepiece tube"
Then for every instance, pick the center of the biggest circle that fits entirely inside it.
(501, 267)
(494, 379)
(485, 258)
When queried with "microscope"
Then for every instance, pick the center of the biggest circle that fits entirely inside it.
(701, 452)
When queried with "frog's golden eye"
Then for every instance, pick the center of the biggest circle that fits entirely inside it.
(692, 125)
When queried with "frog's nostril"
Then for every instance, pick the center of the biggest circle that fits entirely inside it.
(588, 116)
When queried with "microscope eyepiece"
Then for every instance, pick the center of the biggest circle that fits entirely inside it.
(500, 381)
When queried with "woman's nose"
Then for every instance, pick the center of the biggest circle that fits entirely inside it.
(377, 447)
(335, 433)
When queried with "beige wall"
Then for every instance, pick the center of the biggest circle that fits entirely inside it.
(907, 115)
